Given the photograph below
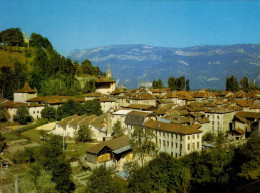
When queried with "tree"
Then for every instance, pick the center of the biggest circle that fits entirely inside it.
(12, 37)
(142, 143)
(43, 135)
(155, 84)
(232, 84)
(3, 143)
(118, 130)
(208, 137)
(68, 109)
(172, 83)
(244, 84)
(44, 183)
(4, 115)
(100, 181)
(84, 134)
(91, 107)
(22, 115)
(187, 85)
(48, 113)
(160, 84)
(36, 40)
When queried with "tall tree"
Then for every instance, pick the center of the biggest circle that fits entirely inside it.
(12, 37)
(244, 84)
(160, 83)
(142, 143)
(118, 130)
(187, 85)
(48, 112)
(36, 40)
(155, 84)
(22, 115)
(84, 134)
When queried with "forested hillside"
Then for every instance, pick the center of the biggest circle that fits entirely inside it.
(41, 66)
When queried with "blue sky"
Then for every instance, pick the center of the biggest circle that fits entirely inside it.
(82, 24)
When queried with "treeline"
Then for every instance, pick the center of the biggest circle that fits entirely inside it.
(48, 67)
(217, 170)
(232, 84)
(173, 83)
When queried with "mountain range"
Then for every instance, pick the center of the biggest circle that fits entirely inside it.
(206, 66)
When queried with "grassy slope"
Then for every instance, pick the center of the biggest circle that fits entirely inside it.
(10, 55)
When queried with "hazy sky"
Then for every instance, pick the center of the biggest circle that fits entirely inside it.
(82, 24)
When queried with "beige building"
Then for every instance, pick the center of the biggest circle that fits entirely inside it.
(106, 85)
(24, 94)
(175, 139)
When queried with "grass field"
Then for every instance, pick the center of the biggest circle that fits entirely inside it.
(11, 136)
(76, 150)
(33, 135)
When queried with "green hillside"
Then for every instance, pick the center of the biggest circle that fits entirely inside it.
(41, 66)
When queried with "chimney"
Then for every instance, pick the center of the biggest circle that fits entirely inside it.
(109, 124)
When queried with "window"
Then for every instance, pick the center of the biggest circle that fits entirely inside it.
(208, 116)
(167, 135)
(176, 155)
(188, 137)
(176, 137)
(193, 146)
(163, 143)
(198, 145)
(212, 122)
(172, 154)
(172, 144)
(164, 134)
(181, 137)
(176, 145)
(159, 142)
(167, 143)
(218, 122)
(218, 128)
(218, 117)
(193, 136)
(33, 112)
(213, 116)
(188, 146)
(198, 135)
(172, 136)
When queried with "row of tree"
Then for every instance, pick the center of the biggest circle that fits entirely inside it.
(232, 84)
(173, 83)
(178, 83)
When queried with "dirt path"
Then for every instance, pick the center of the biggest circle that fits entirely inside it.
(47, 127)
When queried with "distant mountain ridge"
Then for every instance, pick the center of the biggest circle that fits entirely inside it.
(206, 66)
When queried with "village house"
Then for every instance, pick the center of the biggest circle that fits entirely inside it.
(137, 118)
(143, 98)
(107, 104)
(72, 126)
(141, 107)
(24, 94)
(220, 120)
(113, 153)
(105, 85)
(55, 101)
(60, 127)
(246, 121)
(175, 139)
(120, 116)
(34, 109)
(92, 96)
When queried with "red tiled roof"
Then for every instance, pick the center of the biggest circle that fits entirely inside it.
(26, 89)
(170, 127)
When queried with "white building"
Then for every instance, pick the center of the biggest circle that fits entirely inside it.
(24, 94)
(175, 139)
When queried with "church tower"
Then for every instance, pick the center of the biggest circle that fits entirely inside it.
(108, 74)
